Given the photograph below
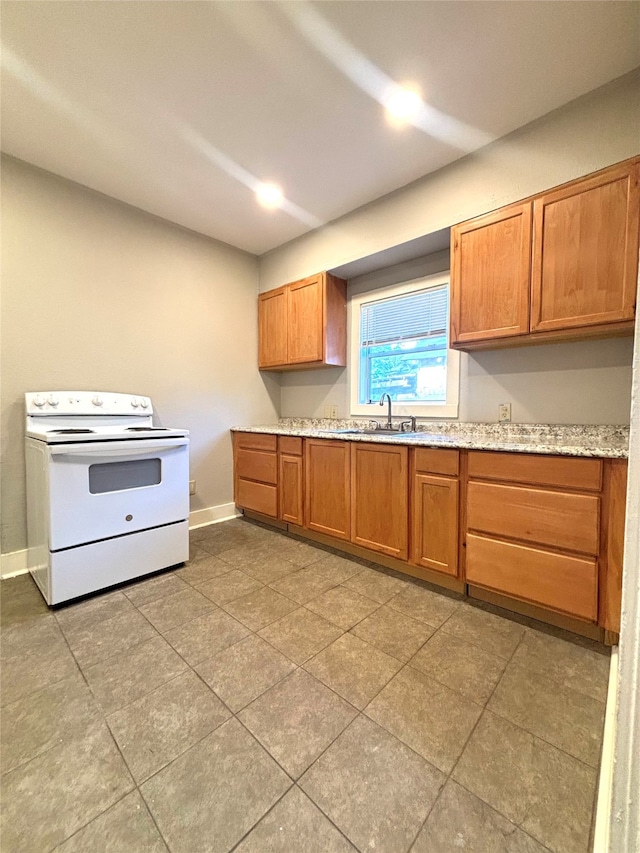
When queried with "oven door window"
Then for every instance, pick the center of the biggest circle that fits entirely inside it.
(120, 476)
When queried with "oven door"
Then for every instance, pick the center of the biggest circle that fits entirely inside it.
(98, 490)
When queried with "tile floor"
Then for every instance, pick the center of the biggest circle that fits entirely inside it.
(273, 696)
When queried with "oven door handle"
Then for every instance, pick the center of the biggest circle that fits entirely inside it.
(111, 452)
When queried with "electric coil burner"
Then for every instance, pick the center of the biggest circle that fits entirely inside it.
(107, 491)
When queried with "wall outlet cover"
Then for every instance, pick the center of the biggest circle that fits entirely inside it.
(192, 487)
(504, 412)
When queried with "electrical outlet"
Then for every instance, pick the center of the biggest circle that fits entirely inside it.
(192, 487)
(504, 412)
(333, 411)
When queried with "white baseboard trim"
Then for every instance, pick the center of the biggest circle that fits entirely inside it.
(605, 783)
(212, 515)
(15, 562)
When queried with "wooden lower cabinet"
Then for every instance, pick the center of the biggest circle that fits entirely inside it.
(255, 472)
(564, 583)
(380, 498)
(545, 531)
(291, 482)
(327, 493)
(435, 523)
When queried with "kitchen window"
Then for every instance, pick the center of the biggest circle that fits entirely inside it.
(400, 346)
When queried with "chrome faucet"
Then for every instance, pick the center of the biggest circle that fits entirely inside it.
(389, 421)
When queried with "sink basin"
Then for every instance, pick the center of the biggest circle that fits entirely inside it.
(378, 432)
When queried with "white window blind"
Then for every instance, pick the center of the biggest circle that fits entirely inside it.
(400, 318)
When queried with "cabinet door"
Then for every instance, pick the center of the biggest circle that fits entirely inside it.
(490, 275)
(379, 498)
(272, 328)
(585, 251)
(435, 523)
(291, 486)
(306, 320)
(327, 496)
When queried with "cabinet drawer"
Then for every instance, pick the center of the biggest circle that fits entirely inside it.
(535, 515)
(257, 496)
(435, 461)
(290, 444)
(256, 441)
(563, 471)
(257, 465)
(562, 583)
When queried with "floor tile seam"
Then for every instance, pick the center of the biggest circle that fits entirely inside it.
(400, 660)
(344, 630)
(159, 598)
(478, 645)
(428, 815)
(104, 622)
(131, 702)
(85, 825)
(264, 749)
(266, 624)
(188, 748)
(544, 740)
(292, 575)
(551, 681)
(200, 583)
(209, 657)
(502, 815)
(483, 711)
(260, 819)
(475, 646)
(262, 692)
(180, 624)
(93, 622)
(422, 621)
(115, 654)
(299, 665)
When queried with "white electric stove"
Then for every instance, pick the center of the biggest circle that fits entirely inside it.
(107, 491)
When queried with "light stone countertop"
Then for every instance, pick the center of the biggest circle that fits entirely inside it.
(606, 441)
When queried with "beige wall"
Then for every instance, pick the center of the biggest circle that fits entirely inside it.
(586, 382)
(575, 383)
(601, 128)
(97, 295)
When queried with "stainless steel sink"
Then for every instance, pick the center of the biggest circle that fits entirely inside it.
(379, 432)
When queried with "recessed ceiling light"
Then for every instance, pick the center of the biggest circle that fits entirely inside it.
(402, 104)
(269, 195)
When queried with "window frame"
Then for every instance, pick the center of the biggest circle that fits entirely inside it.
(449, 409)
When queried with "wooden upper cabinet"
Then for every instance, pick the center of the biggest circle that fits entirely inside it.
(585, 251)
(380, 498)
(272, 327)
(303, 324)
(490, 275)
(306, 321)
(562, 265)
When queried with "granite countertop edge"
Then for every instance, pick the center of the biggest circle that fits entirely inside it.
(608, 442)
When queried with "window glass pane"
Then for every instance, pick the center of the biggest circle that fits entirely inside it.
(403, 347)
(116, 476)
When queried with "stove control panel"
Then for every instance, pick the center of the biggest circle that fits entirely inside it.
(86, 403)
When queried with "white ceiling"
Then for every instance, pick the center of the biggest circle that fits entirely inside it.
(179, 107)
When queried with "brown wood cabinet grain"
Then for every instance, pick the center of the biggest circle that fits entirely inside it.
(557, 519)
(585, 251)
(612, 540)
(291, 486)
(536, 469)
(490, 275)
(434, 534)
(306, 321)
(303, 324)
(380, 498)
(565, 583)
(255, 472)
(327, 493)
(560, 266)
(272, 327)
